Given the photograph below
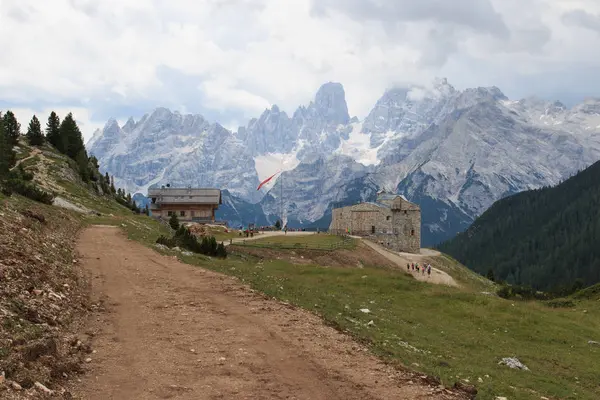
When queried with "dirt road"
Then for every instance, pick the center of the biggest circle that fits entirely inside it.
(171, 330)
(401, 259)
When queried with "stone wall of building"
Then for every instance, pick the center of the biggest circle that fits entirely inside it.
(407, 230)
(397, 226)
(361, 219)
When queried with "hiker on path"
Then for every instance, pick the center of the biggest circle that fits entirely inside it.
(408, 266)
(429, 270)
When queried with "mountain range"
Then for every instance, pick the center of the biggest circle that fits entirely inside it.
(454, 152)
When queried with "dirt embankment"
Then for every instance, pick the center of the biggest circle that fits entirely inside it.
(42, 297)
(176, 331)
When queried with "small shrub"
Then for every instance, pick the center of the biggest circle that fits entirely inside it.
(174, 222)
(165, 241)
(560, 303)
(5, 190)
(504, 292)
(221, 251)
(20, 174)
(521, 293)
(589, 293)
(30, 191)
(25, 175)
(184, 239)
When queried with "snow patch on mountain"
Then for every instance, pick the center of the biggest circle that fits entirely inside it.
(358, 145)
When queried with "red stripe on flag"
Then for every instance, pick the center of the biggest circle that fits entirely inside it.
(266, 180)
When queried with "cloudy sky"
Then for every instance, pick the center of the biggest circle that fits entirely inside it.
(230, 59)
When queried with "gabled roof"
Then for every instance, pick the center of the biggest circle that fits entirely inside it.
(185, 195)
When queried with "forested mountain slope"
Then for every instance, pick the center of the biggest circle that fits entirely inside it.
(545, 238)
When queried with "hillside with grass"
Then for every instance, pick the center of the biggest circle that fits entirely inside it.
(546, 238)
(458, 335)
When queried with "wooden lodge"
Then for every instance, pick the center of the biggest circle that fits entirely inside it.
(189, 204)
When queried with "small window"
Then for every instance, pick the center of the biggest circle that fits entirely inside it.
(182, 213)
(169, 213)
(405, 212)
(388, 218)
(412, 232)
(190, 197)
(372, 229)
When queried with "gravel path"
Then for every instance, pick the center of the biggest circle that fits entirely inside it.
(401, 259)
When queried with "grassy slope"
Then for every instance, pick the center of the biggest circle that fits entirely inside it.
(314, 241)
(452, 333)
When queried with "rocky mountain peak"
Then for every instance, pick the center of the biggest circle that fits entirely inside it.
(442, 86)
(129, 125)
(112, 128)
(330, 102)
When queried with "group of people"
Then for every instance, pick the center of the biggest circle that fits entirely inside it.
(419, 268)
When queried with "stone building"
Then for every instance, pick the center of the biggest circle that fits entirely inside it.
(392, 221)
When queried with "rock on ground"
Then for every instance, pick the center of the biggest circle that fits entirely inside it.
(514, 363)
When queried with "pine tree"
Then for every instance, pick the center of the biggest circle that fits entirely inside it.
(12, 128)
(490, 275)
(119, 193)
(71, 137)
(53, 132)
(94, 162)
(112, 185)
(35, 137)
(7, 154)
(107, 178)
(83, 165)
(174, 221)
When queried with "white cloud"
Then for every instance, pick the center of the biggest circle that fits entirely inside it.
(229, 59)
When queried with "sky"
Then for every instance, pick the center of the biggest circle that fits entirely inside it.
(230, 59)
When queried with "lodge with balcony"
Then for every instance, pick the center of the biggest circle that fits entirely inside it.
(189, 204)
